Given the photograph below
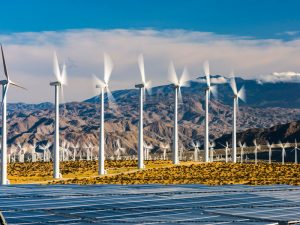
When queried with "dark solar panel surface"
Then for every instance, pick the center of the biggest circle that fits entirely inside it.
(149, 204)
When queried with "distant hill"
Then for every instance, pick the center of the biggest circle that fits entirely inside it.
(80, 120)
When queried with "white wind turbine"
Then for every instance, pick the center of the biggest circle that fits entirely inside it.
(103, 86)
(242, 146)
(148, 148)
(143, 87)
(283, 152)
(196, 146)
(270, 146)
(75, 148)
(178, 83)
(212, 145)
(226, 151)
(5, 85)
(237, 95)
(209, 89)
(257, 147)
(164, 147)
(45, 149)
(296, 151)
(61, 80)
(119, 150)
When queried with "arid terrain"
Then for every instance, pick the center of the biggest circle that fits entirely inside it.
(161, 172)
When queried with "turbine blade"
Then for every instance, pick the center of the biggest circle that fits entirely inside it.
(142, 68)
(64, 75)
(148, 87)
(16, 85)
(172, 74)
(4, 64)
(180, 99)
(184, 79)
(233, 85)
(214, 91)
(56, 68)
(206, 71)
(108, 67)
(242, 94)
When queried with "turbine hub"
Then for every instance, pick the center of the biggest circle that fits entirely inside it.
(139, 85)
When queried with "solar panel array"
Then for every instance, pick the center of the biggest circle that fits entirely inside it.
(149, 204)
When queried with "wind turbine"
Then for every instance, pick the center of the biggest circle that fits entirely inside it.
(196, 146)
(237, 95)
(103, 86)
(226, 151)
(212, 145)
(296, 150)
(5, 85)
(242, 146)
(119, 150)
(45, 149)
(148, 148)
(209, 89)
(283, 152)
(143, 87)
(61, 80)
(177, 84)
(164, 147)
(270, 146)
(255, 150)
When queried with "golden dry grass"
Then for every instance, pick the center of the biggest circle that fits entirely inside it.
(160, 172)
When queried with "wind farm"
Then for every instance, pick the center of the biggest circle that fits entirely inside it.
(129, 112)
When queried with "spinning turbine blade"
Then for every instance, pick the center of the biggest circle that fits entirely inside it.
(183, 82)
(4, 64)
(56, 68)
(233, 86)
(242, 94)
(108, 67)
(172, 74)
(16, 85)
(142, 68)
(206, 71)
(214, 91)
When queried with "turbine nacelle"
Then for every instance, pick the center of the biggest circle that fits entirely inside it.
(55, 83)
(139, 85)
(4, 82)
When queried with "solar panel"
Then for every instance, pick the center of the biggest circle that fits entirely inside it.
(149, 204)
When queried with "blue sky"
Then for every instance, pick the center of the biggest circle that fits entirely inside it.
(255, 18)
(256, 39)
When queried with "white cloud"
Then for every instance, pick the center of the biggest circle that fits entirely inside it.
(275, 77)
(29, 58)
(214, 80)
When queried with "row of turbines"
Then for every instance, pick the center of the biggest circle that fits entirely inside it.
(86, 150)
(103, 85)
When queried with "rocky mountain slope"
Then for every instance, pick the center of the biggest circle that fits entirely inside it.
(80, 120)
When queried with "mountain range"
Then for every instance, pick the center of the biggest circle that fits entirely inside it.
(268, 105)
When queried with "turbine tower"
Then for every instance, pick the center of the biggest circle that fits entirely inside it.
(257, 147)
(103, 86)
(296, 149)
(270, 146)
(5, 84)
(237, 95)
(283, 152)
(143, 87)
(213, 90)
(177, 84)
(61, 80)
